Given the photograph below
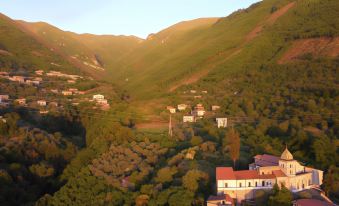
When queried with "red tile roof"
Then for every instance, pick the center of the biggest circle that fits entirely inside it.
(312, 202)
(225, 173)
(278, 173)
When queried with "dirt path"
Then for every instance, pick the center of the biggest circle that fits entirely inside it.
(224, 56)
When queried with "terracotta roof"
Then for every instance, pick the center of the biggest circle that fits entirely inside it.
(278, 173)
(266, 160)
(225, 173)
(246, 174)
(312, 202)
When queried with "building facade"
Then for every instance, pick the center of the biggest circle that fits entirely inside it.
(266, 171)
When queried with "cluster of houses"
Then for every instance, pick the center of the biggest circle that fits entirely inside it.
(100, 100)
(197, 112)
(236, 187)
(34, 81)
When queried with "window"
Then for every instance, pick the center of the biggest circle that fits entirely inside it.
(249, 184)
(282, 165)
(226, 184)
(256, 184)
(262, 173)
(263, 183)
(240, 184)
(290, 166)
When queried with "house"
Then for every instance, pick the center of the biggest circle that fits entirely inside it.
(32, 82)
(215, 107)
(39, 72)
(204, 92)
(193, 91)
(311, 202)
(102, 101)
(67, 93)
(266, 171)
(188, 118)
(19, 79)
(73, 90)
(198, 97)
(182, 107)
(221, 122)
(21, 101)
(220, 200)
(4, 97)
(171, 109)
(41, 103)
(199, 110)
(70, 81)
(98, 97)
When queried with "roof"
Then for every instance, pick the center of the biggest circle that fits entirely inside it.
(312, 202)
(286, 155)
(227, 173)
(278, 173)
(225, 197)
(266, 160)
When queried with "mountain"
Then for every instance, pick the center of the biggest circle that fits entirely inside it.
(92, 53)
(20, 50)
(258, 34)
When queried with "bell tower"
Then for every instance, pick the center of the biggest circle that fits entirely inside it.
(287, 163)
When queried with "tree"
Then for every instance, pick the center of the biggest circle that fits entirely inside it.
(282, 197)
(166, 174)
(191, 179)
(231, 143)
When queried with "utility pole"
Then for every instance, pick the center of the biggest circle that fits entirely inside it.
(170, 132)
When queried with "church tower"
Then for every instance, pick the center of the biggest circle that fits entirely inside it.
(287, 164)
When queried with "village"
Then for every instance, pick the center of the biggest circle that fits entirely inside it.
(192, 114)
(52, 91)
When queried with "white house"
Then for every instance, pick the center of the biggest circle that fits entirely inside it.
(182, 107)
(42, 103)
(199, 110)
(221, 122)
(266, 171)
(67, 93)
(171, 109)
(188, 118)
(215, 107)
(39, 72)
(102, 101)
(98, 97)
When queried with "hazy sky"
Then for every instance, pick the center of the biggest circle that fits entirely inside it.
(128, 17)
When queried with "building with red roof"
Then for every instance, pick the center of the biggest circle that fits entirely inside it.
(266, 171)
(220, 200)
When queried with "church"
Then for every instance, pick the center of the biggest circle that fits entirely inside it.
(266, 171)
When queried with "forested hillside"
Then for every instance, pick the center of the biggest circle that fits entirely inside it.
(271, 70)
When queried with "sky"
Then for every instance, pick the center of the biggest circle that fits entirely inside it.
(118, 17)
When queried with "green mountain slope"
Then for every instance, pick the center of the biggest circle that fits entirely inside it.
(20, 51)
(93, 53)
(260, 33)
